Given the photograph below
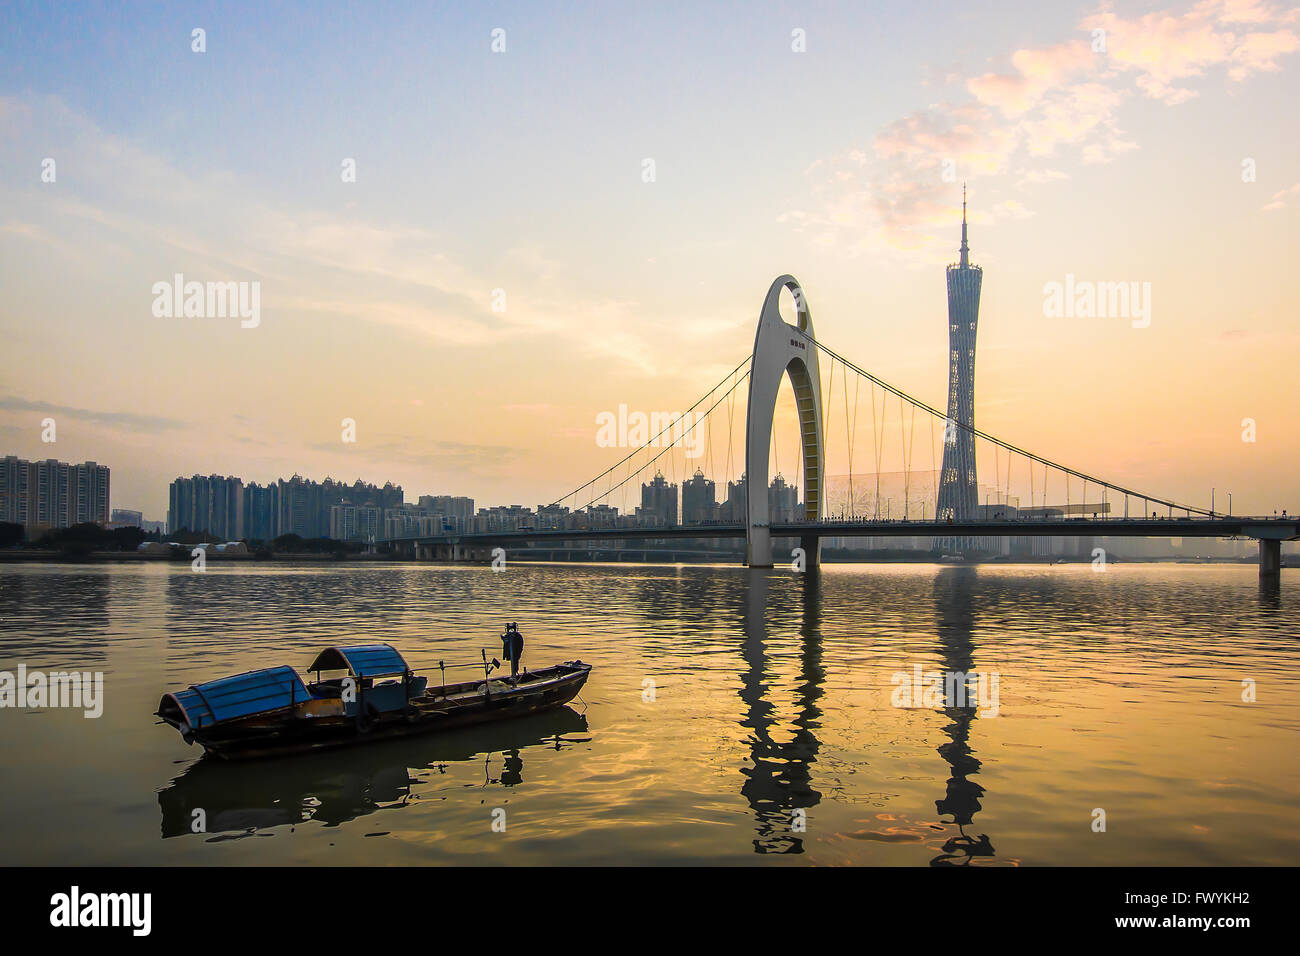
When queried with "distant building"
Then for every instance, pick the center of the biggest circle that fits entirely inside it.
(299, 509)
(226, 507)
(783, 500)
(601, 516)
(461, 509)
(503, 518)
(699, 499)
(211, 504)
(261, 511)
(53, 494)
(734, 508)
(658, 503)
(409, 521)
(356, 522)
(127, 519)
(552, 516)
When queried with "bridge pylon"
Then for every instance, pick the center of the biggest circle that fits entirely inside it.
(782, 349)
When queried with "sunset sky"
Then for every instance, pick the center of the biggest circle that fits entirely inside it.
(522, 171)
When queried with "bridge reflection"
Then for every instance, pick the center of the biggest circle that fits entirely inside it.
(779, 782)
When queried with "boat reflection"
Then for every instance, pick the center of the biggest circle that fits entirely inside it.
(337, 786)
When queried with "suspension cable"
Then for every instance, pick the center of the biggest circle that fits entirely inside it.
(649, 443)
(1007, 445)
(662, 451)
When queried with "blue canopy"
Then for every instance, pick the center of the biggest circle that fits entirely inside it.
(363, 660)
(254, 692)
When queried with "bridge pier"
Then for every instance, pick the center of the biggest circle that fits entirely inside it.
(812, 550)
(1270, 559)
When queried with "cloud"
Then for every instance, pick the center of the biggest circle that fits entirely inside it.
(1036, 73)
(126, 421)
(1037, 176)
(1282, 197)
(1162, 49)
(311, 261)
(1059, 101)
(1010, 209)
(447, 456)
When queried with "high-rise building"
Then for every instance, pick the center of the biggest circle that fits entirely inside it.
(207, 503)
(783, 500)
(261, 511)
(958, 491)
(699, 499)
(456, 511)
(53, 494)
(17, 478)
(356, 522)
(88, 494)
(735, 507)
(300, 507)
(658, 503)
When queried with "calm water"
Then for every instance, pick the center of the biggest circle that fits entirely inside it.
(771, 694)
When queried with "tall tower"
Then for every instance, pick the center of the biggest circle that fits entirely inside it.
(958, 492)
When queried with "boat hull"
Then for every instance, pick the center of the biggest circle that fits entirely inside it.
(461, 705)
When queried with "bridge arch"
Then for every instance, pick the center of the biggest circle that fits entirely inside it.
(782, 349)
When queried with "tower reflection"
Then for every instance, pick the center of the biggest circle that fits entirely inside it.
(778, 785)
(954, 599)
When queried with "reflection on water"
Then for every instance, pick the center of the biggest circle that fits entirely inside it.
(336, 786)
(55, 612)
(954, 600)
(771, 735)
(780, 780)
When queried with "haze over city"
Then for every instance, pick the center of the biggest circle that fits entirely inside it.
(1167, 159)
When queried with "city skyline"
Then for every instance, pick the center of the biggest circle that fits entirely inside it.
(377, 295)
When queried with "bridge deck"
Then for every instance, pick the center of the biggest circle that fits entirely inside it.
(1280, 529)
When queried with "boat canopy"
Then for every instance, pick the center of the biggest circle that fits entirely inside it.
(363, 660)
(243, 695)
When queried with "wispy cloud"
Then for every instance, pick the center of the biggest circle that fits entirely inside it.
(1282, 197)
(126, 421)
(311, 261)
(1059, 100)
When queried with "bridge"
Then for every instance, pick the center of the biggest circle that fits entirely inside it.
(789, 351)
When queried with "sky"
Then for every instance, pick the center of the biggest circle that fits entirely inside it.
(590, 215)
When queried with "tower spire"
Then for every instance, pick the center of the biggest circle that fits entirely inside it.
(965, 249)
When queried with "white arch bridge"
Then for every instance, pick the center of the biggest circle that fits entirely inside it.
(789, 351)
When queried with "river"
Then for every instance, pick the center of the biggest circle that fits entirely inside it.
(732, 716)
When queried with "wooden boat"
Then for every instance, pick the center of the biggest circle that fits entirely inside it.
(377, 696)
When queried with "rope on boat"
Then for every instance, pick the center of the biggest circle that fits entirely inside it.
(441, 666)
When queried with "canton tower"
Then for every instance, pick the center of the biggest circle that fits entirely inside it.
(958, 495)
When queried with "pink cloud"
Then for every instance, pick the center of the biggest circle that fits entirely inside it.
(1036, 72)
(1061, 100)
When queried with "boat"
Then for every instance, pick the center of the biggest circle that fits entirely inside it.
(376, 696)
